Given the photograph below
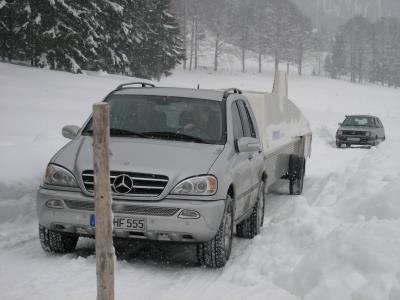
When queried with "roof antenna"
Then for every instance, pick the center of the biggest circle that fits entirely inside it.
(198, 86)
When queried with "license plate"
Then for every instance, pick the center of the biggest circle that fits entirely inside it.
(353, 139)
(128, 223)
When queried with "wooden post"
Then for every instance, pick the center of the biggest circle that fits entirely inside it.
(102, 192)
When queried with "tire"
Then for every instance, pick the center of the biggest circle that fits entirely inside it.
(216, 252)
(56, 242)
(251, 226)
(338, 144)
(297, 166)
(376, 141)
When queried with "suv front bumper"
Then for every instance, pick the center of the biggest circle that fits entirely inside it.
(74, 217)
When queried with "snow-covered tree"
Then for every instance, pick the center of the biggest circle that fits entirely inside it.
(7, 23)
(338, 58)
(161, 47)
(134, 37)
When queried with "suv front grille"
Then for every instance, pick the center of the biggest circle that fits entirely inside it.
(125, 209)
(133, 184)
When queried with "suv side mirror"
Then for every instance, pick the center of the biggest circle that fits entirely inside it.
(247, 144)
(70, 131)
(340, 124)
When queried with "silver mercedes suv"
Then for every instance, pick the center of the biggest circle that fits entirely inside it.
(186, 166)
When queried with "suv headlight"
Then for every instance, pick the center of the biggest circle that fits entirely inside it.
(56, 175)
(339, 132)
(197, 186)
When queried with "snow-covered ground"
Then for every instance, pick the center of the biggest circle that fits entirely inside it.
(339, 240)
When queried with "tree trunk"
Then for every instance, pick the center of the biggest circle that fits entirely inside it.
(243, 59)
(191, 46)
(259, 61)
(195, 43)
(300, 60)
(216, 53)
(276, 65)
(360, 66)
(184, 34)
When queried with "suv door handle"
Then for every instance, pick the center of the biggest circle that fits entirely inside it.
(251, 156)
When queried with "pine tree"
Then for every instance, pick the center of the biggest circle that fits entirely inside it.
(7, 23)
(338, 62)
(162, 47)
(113, 23)
(133, 37)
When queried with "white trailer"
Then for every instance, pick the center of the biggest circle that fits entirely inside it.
(285, 134)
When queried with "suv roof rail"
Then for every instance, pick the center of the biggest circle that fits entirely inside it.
(227, 92)
(143, 84)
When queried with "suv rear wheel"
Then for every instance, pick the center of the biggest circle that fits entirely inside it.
(57, 242)
(215, 253)
(251, 226)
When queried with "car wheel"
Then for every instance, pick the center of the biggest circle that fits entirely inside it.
(338, 144)
(216, 252)
(376, 141)
(251, 226)
(56, 242)
(297, 166)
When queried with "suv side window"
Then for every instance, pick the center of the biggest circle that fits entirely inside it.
(248, 125)
(237, 122)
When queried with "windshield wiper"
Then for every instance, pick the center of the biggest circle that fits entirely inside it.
(121, 132)
(176, 136)
(125, 132)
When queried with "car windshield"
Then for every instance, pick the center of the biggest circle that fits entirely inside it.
(359, 121)
(166, 117)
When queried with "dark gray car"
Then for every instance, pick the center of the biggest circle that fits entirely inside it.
(360, 130)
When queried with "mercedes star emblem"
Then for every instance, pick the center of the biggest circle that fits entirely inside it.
(123, 184)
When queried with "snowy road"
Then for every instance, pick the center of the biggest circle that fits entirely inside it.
(339, 240)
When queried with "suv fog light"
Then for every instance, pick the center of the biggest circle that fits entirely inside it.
(55, 203)
(188, 214)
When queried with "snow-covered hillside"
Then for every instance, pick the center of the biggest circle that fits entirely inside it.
(339, 240)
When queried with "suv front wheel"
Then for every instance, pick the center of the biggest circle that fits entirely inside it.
(251, 226)
(215, 253)
(57, 242)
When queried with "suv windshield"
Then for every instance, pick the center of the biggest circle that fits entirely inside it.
(359, 121)
(162, 117)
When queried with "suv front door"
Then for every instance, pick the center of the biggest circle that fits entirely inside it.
(255, 158)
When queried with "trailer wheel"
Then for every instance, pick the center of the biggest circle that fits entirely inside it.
(297, 167)
(56, 242)
(251, 226)
(215, 253)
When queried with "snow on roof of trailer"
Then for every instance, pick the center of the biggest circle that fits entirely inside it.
(173, 92)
